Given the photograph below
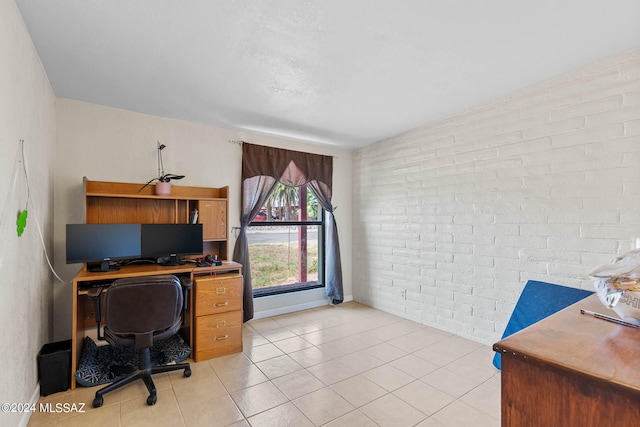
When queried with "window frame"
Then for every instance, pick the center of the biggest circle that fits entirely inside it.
(290, 288)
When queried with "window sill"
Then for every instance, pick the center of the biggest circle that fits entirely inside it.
(285, 289)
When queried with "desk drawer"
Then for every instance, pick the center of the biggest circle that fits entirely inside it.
(218, 334)
(218, 295)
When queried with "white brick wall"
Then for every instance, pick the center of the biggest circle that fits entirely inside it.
(450, 220)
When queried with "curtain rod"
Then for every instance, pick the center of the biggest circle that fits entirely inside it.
(239, 142)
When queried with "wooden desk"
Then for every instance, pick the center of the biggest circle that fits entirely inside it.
(83, 316)
(571, 369)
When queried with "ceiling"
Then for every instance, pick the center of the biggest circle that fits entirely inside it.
(339, 72)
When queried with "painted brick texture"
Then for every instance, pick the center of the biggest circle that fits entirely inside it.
(451, 219)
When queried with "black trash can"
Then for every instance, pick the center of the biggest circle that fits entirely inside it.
(54, 367)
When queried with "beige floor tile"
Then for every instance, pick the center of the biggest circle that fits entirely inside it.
(428, 335)
(198, 391)
(262, 325)
(309, 357)
(263, 352)
(323, 406)
(388, 377)
(352, 419)
(430, 422)
(449, 382)
(485, 397)
(331, 372)
(360, 361)
(253, 340)
(278, 334)
(423, 397)
(216, 412)
(358, 390)
(414, 366)
(278, 366)
(297, 384)
(311, 386)
(288, 319)
(258, 398)
(391, 411)
(286, 415)
(105, 416)
(460, 414)
(238, 379)
(318, 337)
(447, 350)
(385, 352)
(137, 412)
(228, 363)
(303, 328)
(328, 322)
(476, 365)
(335, 349)
(199, 370)
(406, 343)
(290, 345)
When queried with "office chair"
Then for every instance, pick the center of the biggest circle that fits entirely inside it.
(139, 311)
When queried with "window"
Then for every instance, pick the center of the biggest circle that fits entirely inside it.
(263, 168)
(286, 242)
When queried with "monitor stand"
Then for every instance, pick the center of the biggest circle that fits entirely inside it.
(173, 261)
(103, 267)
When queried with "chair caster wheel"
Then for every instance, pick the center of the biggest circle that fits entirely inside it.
(187, 372)
(152, 399)
(98, 401)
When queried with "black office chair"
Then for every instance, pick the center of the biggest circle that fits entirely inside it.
(139, 311)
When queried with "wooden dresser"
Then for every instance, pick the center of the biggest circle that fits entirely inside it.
(217, 316)
(571, 369)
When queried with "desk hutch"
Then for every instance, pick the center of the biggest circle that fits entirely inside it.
(213, 323)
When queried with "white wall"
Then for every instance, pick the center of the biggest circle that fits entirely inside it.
(26, 112)
(108, 144)
(451, 219)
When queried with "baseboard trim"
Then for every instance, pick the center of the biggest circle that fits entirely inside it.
(294, 308)
(26, 415)
(289, 309)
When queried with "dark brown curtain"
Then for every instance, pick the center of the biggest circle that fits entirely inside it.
(262, 168)
(290, 167)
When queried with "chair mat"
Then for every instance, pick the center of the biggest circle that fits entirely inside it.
(105, 364)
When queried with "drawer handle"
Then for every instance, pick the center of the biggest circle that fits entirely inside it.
(220, 291)
(221, 323)
(224, 304)
(224, 337)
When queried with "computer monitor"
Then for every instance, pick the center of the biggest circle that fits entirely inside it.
(172, 241)
(102, 243)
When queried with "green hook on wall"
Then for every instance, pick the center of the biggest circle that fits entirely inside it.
(21, 222)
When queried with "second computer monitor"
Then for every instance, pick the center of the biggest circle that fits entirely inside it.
(171, 241)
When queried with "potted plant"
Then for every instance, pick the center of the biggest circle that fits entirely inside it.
(163, 181)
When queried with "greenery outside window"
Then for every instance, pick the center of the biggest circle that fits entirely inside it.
(286, 242)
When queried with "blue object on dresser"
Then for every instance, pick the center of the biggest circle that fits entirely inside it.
(537, 301)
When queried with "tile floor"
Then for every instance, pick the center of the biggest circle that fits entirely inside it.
(347, 365)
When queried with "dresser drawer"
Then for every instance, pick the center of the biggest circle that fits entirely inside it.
(218, 295)
(218, 335)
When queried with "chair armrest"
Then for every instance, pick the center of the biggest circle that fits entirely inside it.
(187, 284)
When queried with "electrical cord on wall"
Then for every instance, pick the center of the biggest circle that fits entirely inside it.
(12, 190)
(21, 223)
